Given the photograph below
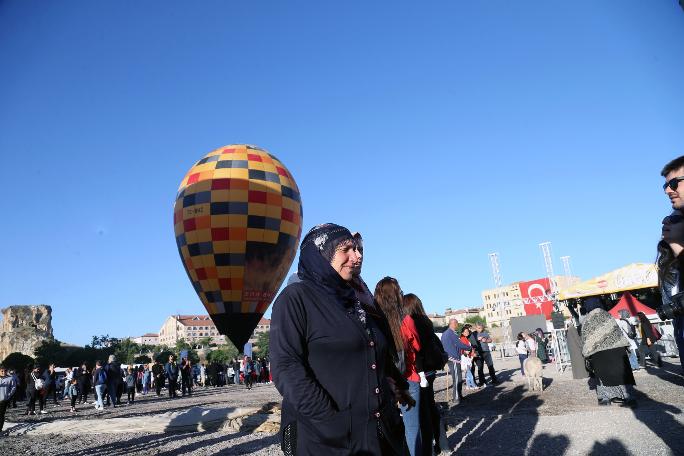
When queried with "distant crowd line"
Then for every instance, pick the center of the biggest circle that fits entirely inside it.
(109, 382)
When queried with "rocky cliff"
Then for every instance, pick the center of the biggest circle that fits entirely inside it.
(24, 328)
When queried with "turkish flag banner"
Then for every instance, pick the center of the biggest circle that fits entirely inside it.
(536, 296)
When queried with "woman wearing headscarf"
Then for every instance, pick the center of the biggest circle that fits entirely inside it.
(541, 345)
(604, 345)
(328, 360)
(648, 340)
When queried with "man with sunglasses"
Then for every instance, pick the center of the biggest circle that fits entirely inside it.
(670, 273)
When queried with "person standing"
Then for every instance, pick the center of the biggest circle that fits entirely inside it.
(99, 383)
(130, 381)
(203, 375)
(453, 346)
(50, 385)
(604, 345)
(630, 333)
(114, 381)
(84, 382)
(8, 388)
(158, 377)
(648, 340)
(34, 386)
(146, 380)
(72, 393)
(329, 361)
(521, 350)
(485, 355)
(186, 377)
(540, 340)
(429, 359)
(236, 372)
(249, 371)
(172, 372)
(670, 277)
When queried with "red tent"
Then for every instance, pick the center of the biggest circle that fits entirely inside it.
(631, 305)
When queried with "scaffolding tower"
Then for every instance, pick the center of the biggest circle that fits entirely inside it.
(501, 304)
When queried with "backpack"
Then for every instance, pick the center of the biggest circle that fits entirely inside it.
(102, 376)
(435, 356)
(631, 333)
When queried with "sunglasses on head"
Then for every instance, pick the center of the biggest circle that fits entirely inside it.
(673, 183)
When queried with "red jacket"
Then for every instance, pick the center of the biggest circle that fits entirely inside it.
(409, 334)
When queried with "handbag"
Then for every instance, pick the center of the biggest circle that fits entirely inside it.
(656, 334)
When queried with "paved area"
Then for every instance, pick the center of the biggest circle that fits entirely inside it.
(504, 420)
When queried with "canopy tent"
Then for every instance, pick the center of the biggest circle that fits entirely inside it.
(630, 304)
(631, 277)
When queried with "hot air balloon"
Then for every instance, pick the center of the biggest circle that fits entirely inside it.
(237, 221)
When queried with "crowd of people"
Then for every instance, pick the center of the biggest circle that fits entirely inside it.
(109, 382)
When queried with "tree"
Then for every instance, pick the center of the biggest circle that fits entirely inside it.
(262, 344)
(163, 356)
(475, 319)
(205, 342)
(126, 351)
(18, 361)
(142, 359)
(222, 355)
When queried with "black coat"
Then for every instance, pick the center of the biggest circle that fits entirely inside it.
(332, 376)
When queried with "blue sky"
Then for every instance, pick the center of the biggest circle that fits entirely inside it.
(442, 132)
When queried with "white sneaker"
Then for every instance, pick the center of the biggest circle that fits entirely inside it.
(43, 412)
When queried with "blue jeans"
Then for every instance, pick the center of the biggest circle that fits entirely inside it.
(633, 360)
(678, 324)
(111, 392)
(412, 420)
(470, 380)
(522, 359)
(99, 393)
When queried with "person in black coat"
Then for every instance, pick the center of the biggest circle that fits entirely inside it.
(329, 360)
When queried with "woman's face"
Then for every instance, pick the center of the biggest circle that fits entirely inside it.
(346, 260)
(466, 332)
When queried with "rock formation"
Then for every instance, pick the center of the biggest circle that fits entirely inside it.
(24, 328)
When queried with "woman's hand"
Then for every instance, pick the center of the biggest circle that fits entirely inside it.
(648, 341)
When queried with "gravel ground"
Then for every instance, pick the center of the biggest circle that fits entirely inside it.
(505, 419)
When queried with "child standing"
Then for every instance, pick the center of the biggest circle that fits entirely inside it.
(73, 393)
(131, 379)
(467, 359)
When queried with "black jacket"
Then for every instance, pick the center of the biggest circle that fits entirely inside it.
(332, 376)
(431, 355)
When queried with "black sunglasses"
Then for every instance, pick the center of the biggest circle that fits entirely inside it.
(673, 183)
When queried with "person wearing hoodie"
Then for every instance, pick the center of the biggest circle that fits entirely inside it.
(8, 387)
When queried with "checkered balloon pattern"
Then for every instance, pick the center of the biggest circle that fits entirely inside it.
(237, 221)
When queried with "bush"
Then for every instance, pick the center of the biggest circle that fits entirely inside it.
(142, 359)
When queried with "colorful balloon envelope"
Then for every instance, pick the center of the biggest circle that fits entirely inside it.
(237, 220)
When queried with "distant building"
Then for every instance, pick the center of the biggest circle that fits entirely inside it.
(193, 328)
(462, 314)
(146, 339)
(438, 320)
(502, 304)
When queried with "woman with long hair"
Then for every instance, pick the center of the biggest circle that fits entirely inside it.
(389, 297)
(329, 360)
(430, 358)
(521, 349)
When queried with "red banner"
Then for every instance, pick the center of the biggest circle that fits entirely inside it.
(536, 297)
